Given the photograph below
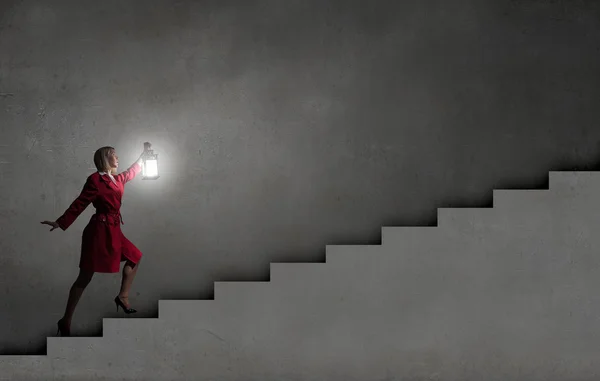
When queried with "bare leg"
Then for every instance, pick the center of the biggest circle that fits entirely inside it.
(75, 293)
(129, 271)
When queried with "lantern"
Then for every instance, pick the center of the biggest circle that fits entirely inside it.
(150, 167)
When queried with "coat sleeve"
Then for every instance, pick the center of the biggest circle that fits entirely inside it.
(88, 194)
(130, 173)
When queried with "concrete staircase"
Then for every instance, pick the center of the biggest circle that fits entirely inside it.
(504, 293)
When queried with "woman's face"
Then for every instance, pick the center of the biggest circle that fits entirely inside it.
(113, 159)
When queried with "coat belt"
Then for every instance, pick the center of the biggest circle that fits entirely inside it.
(104, 216)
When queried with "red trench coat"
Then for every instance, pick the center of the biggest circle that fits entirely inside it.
(103, 244)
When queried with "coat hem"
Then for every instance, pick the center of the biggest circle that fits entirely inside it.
(124, 258)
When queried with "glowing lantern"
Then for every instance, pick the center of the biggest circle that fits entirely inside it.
(150, 167)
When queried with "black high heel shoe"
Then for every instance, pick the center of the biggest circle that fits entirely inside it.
(119, 303)
(63, 329)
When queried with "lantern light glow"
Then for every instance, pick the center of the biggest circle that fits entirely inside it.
(150, 164)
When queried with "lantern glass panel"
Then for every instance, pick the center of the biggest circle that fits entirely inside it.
(151, 168)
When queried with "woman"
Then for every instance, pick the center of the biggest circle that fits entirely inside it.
(103, 244)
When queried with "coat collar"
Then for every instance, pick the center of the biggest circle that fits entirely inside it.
(107, 177)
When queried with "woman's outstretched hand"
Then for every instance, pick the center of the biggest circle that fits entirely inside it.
(51, 223)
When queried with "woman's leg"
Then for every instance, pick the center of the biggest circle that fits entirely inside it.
(77, 288)
(129, 271)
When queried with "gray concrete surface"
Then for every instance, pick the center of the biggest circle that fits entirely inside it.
(503, 293)
(281, 128)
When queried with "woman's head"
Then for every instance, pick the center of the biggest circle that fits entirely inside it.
(106, 160)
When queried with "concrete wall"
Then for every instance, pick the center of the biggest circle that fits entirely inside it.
(281, 127)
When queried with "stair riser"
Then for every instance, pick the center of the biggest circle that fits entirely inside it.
(582, 182)
(131, 327)
(288, 272)
(173, 309)
(227, 291)
(335, 254)
(72, 347)
(520, 200)
(411, 236)
(465, 219)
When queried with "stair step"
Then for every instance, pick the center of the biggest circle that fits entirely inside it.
(175, 309)
(128, 326)
(464, 218)
(521, 199)
(96, 353)
(406, 236)
(432, 246)
(341, 253)
(191, 313)
(72, 348)
(290, 271)
(574, 181)
(24, 367)
(232, 291)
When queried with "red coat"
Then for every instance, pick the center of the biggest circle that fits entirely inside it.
(103, 244)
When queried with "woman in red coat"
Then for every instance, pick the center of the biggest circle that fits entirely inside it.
(103, 245)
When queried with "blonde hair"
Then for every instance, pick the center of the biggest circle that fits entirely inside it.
(101, 160)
